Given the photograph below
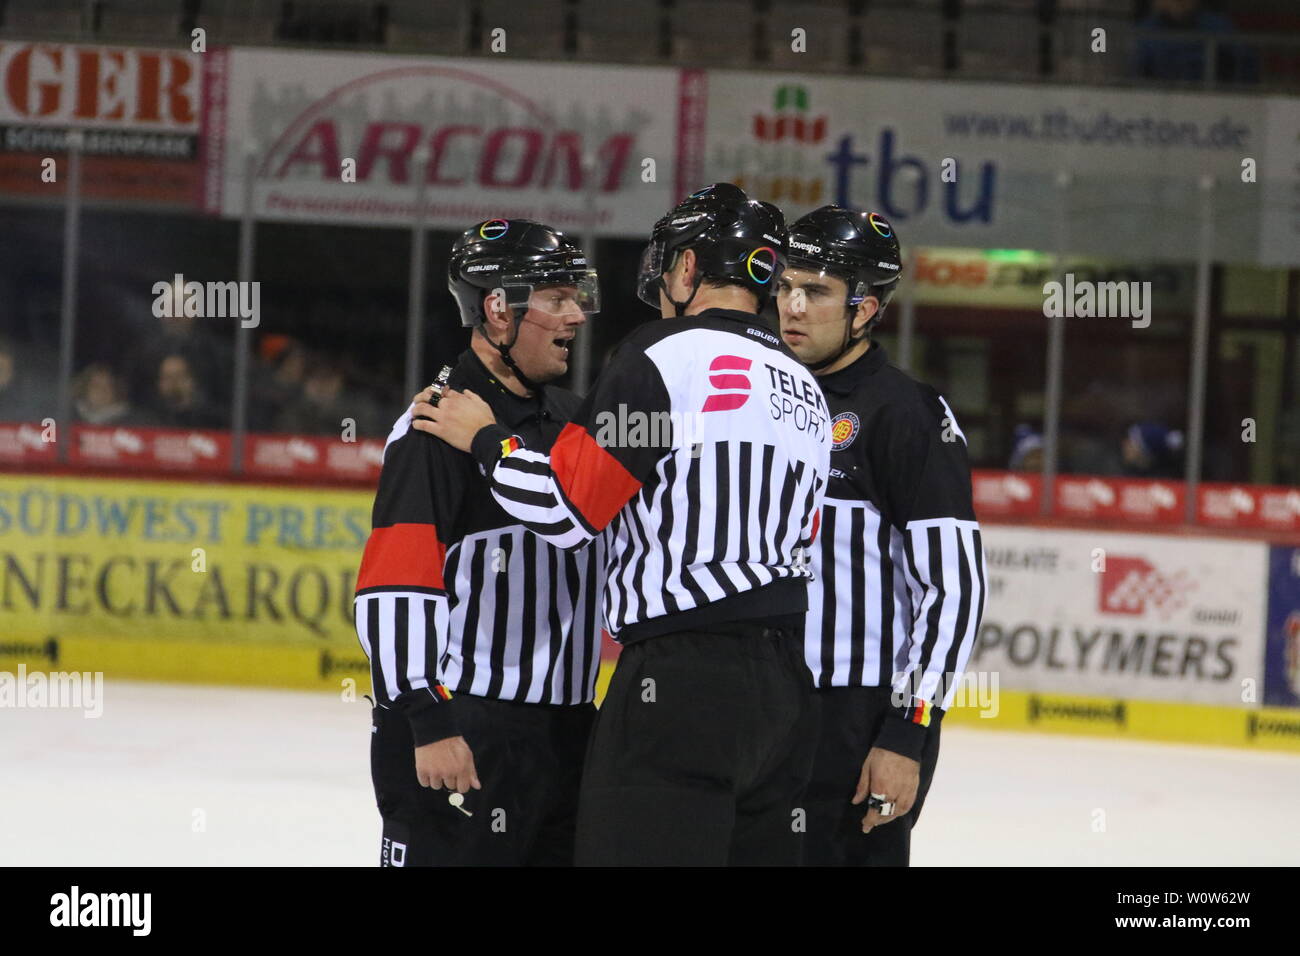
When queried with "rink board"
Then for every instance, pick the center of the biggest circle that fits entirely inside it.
(309, 668)
(105, 576)
(1267, 728)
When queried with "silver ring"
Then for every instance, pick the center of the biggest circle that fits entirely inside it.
(887, 808)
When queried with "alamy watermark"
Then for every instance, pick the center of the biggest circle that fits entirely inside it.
(978, 689)
(1086, 299)
(626, 428)
(64, 690)
(208, 300)
(128, 910)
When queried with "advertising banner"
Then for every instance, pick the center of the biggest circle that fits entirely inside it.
(198, 581)
(976, 165)
(1124, 616)
(338, 138)
(27, 444)
(187, 450)
(138, 111)
(1281, 230)
(1282, 644)
(1120, 499)
(1260, 507)
(309, 456)
(1006, 494)
(197, 452)
(1014, 278)
(1143, 501)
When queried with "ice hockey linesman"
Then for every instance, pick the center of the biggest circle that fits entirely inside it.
(483, 638)
(898, 586)
(703, 743)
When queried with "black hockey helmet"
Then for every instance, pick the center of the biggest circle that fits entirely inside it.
(735, 238)
(858, 247)
(512, 257)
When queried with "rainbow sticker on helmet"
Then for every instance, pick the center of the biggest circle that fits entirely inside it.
(497, 228)
(880, 224)
(763, 265)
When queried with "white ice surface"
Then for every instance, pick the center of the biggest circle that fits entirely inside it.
(282, 778)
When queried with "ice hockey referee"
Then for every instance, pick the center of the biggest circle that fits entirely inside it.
(483, 638)
(703, 743)
(899, 573)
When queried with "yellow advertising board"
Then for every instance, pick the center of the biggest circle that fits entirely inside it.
(214, 582)
(1254, 728)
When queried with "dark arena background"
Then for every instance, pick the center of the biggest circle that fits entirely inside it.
(224, 236)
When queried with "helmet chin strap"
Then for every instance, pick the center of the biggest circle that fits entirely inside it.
(848, 343)
(503, 349)
(681, 307)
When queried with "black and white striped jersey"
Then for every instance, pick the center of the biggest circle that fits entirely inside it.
(701, 457)
(456, 597)
(899, 570)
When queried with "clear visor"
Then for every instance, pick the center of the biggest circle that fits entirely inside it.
(579, 293)
(648, 273)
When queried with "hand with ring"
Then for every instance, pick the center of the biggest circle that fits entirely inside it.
(891, 780)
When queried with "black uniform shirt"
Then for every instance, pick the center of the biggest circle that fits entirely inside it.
(454, 595)
(898, 573)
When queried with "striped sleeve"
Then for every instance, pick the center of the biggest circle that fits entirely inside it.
(598, 462)
(401, 603)
(929, 492)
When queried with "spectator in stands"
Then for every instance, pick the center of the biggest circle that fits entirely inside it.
(1152, 450)
(325, 403)
(20, 398)
(209, 358)
(179, 402)
(99, 398)
(9, 394)
(277, 380)
(1173, 57)
(1026, 450)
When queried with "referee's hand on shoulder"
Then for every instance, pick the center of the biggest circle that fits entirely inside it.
(422, 397)
(448, 764)
(456, 419)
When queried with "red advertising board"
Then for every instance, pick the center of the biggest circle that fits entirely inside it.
(195, 452)
(137, 111)
(1137, 501)
(1007, 494)
(149, 449)
(1120, 499)
(302, 456)
(1248, 506)
(26, 444)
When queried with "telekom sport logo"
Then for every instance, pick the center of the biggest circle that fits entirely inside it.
(1133, 586)
(726, 374)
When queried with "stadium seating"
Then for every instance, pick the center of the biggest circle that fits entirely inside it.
(829, 30)
(620, 33)
(714, 33)
(904, 38)
(45, 18)
(437, 26)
